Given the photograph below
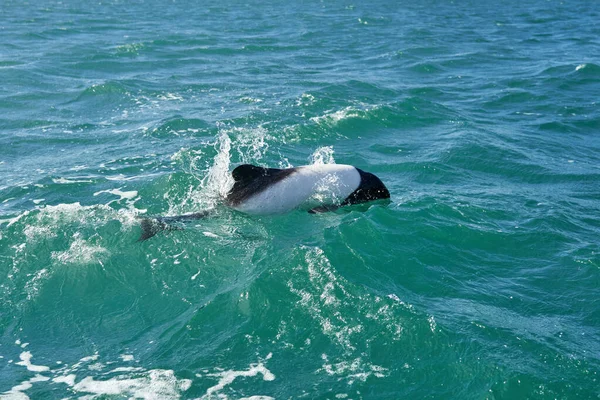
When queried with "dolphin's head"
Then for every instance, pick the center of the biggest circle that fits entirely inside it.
(371, 188)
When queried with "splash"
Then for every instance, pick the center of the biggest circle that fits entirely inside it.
(80, 252)
(251, 144)
(212, 182)
(218, 180)
(51, 217)
(245, 145)
(322, 155)
(326, 190)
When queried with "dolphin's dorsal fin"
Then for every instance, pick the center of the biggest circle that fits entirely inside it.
(246, 173)
(251, 179)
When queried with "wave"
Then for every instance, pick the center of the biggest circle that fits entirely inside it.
(356, 120)
(178, 125)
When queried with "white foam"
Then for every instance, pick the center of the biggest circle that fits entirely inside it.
(248, 99)
(93, 357)
(130, 195)
(35, 232)
(353, 370)
(65, 181)
(53, 215)
(154, 384)
(397, 299)
(96, 366)
(26, 361)
(68, 379)
(121, 177)
(80, 252)
(14, 220)
(305, 100)
(170, 97)
(332, 118)
(127, 357)
(16, 392)
(129, 382)
(227, 377)
(580, 66)
(126, 369)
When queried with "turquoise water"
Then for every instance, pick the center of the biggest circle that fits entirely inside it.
(480, 280)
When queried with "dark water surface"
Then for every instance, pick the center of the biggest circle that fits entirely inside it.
(481, 279)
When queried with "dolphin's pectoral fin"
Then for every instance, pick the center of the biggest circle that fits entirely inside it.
(323, 209)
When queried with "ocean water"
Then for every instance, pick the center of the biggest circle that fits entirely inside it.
(480, 280)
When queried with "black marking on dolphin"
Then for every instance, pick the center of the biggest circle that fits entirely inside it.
(250, 181)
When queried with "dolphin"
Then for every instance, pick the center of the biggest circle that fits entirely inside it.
(263, 191)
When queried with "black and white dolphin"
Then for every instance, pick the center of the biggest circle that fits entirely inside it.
(263, 191)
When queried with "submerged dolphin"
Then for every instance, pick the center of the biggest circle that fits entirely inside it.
(262, 191)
